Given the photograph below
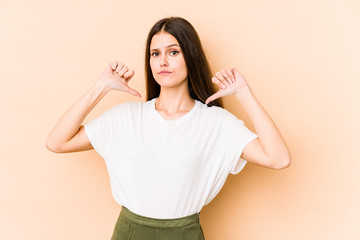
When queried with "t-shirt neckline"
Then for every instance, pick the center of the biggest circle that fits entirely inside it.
(176, 120)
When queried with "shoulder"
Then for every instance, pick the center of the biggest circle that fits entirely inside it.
(129, 107)
(132, 105)
(215, 112)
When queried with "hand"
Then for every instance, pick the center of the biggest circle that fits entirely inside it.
(229, 81)
(116, 77)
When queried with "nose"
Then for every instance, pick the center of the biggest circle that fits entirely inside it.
(163, 61)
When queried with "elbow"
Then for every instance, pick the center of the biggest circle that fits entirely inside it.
(52, 147)
(284, 163)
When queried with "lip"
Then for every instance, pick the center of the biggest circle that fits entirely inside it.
(164, 73)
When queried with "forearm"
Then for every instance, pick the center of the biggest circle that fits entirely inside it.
(271, 140)
(70, 122)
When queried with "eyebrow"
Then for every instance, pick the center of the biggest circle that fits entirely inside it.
(169, 46)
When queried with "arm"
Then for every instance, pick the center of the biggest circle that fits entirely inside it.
(68, 135)
(270, 149)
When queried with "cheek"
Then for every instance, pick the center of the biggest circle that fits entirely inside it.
(151, 62)
(184, 68)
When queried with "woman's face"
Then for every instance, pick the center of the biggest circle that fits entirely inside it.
(167, 61)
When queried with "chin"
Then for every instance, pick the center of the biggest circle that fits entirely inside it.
(169, 82)
(167, 85)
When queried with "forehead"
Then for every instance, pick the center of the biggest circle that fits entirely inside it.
(162, 39)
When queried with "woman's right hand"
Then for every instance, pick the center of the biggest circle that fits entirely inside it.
(116, 77)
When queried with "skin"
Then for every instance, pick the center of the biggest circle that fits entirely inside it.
(166, 55)
(269, 150)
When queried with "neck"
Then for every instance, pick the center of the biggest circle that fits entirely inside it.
(174, 100)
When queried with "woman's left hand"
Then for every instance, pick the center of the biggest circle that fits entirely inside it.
(230, 81)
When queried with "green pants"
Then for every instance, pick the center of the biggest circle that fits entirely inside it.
(131, 226)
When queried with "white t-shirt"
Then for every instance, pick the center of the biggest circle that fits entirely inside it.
(168, 168)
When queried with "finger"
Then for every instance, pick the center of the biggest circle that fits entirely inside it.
(123, 71)
(232, 77)
(216, 95)
(235, 72)
(226, 76)
(222, 78)
(218, 82)
(113, 65)
(133, 92)
(240, 77)
(129, 74)
(119, 67)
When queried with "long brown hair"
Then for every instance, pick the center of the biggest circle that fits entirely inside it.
(199, 72)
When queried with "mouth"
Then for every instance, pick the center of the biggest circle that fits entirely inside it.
(164, 73)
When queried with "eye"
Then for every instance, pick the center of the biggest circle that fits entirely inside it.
(154, 54)
(173, 53)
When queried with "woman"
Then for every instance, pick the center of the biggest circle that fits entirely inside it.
(169, 156)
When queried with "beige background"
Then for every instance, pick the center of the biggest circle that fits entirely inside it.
(301, 59)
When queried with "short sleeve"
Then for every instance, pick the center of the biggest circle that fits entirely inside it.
(100, 130)
(239, 137)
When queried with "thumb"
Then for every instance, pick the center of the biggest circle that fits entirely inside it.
(133, 92)
(214, 96)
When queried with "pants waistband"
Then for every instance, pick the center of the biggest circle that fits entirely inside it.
(156, 222)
